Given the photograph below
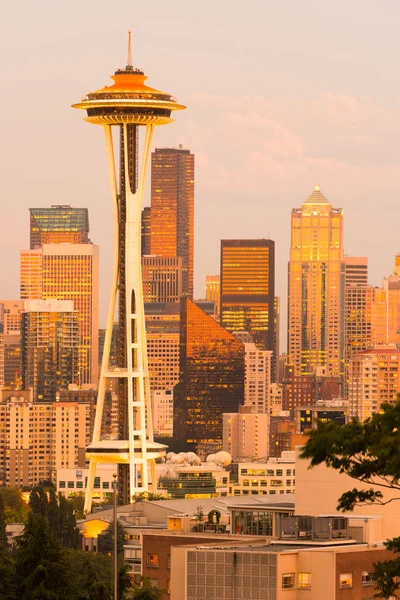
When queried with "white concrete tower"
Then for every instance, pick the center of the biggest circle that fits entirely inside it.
(129, 105)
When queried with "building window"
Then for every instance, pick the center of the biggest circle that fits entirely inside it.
(168, 586)
(168, 561)
(61, 484)
(154, 582)
(304, 581)
(79, 484)
(345, 581)
(152, 560)
(366, 579)
(71, 484)
(288, 581)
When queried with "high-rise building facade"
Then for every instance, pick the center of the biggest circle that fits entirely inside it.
(12, 343)
(58, 224)
(162, 278)
(246, 434)
(356, 271)
(146, 230)
(248, 289)
(358, 301)
(49, 347)
(40, 437)
(386, 312)
(213, 291)
(374, 379)
(316, 287)
(162, 333)
(172, 209)
(211, 380)
(257, 380)
(68, 272)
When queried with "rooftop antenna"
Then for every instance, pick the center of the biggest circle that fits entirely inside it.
(129, 62)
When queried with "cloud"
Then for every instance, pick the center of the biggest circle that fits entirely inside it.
(244, 141)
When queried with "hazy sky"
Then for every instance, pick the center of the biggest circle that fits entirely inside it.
(280, 96)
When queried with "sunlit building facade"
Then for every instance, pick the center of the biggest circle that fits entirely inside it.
(68, 272)
(316, 287)
(40, 437)
(374, 379)
(162, 278)
(211, 380)
(248, 289)
(257, 382)
(49, 347)
(58, 224)
(246, 434)
(358, 301)
(172, 209)
(386, 312)
(213, 291)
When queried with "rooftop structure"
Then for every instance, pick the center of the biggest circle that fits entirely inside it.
(58, 224)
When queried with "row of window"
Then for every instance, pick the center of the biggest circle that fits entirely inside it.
(304, 580)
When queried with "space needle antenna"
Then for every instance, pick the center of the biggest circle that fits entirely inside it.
(129, 61)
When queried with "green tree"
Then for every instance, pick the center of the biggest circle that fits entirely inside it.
(106, 539)
(3, 534)
(125, 582)
(41, 568)
(15, 508)
(149, 497)
(369, 453)
(89, 573)
(145, 591)
(59, 513)
(8, 588)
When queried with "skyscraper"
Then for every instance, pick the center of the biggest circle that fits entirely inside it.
(12, 343)
(356, 271)
(211, 376)
(248, 290)
(172, 209)
(58, 224)
(374, 379)
(49, 347)
(162, 278)
(316, 287)
(358, 300)
(40, 437)
(213, 291)
(146, 230)
(68, 272)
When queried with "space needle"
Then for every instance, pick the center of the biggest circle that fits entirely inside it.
(134, 109)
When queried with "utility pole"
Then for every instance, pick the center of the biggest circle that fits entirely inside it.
(115, 549)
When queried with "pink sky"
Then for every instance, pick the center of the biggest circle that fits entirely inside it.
(280, 96)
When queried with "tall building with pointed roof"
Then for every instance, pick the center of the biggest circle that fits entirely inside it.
(316, 287)
(211, 376)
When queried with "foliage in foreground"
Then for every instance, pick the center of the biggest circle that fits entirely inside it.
(367, 452)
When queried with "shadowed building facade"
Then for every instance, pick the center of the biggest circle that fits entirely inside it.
(211, 376)
(162, 279)
(316, 287)
(58, 225)
(172, 209)
(49, 347)
(248, 290)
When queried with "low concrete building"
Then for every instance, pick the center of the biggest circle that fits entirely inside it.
(274, 571)
(273, 477)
